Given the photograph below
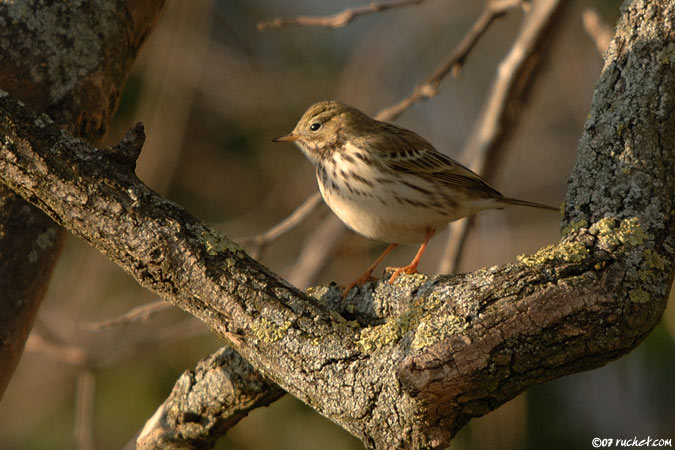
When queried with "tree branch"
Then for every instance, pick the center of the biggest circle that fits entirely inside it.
(195, 414)
(597, 29)
(492, 10)
(260, 241)
(432, 351)
(335, 20)
(78, 85)
(498, 120)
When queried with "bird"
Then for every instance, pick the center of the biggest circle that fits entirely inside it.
(388, 183)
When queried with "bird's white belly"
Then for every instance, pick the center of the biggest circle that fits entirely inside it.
(373, 220)
(382, 213)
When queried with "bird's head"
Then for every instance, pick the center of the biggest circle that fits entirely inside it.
(324, 127)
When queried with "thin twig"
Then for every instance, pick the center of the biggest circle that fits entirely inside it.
(314, 254)
(143, 312)
(68, 353)
(597, 29)
(498, 119)
(125, 348)
(454, 62)
(84, 410)
(260, 241)
(334, 20)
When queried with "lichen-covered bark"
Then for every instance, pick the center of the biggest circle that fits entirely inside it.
(205, 402)
(427, 353)
(69, 60)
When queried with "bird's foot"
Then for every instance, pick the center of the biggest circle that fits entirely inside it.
(409, 269)
(363, 279)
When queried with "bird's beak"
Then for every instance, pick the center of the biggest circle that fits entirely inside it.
(288, 138)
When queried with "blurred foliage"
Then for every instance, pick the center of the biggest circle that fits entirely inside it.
(212, 92)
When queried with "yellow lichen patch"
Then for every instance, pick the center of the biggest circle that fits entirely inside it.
(654, 260)
(337, 317)
(216, 243)
(375, 337)
(573, 252)
(268, 331)
(629, 232)
(574, 226)
(372, 338)
(638, 295)
(432, 329)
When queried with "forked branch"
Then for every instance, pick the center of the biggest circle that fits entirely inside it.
(432, 351)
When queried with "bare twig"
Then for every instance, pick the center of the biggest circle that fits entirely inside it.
(84, 410)
(505, 100)
(453, 63)
(313, 256)
(597, 29)
(123, 349)
(93, 355)
(335, 20)
(143, 312)
(68, 353)
(260, 241)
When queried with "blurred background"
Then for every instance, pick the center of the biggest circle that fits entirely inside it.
(212, 91)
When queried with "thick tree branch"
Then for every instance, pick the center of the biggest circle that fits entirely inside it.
(408, 369)
(70, 61)
(195, 414)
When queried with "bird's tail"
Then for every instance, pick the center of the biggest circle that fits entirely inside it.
(515, 201)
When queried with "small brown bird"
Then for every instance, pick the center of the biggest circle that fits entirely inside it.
(388, 183)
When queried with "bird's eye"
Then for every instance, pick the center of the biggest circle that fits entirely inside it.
(315, 126)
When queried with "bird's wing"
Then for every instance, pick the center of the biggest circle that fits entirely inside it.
(415, 156)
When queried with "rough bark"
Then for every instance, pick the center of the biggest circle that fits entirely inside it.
(508, 97)
(406, 365)
(206, 402)
(69, 61)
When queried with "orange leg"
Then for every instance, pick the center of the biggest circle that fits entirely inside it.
(366, 275)
(412, 267)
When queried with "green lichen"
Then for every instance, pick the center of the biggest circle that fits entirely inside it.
(654, 260)
(620, 128)
(638, 295)
(573, 252)
(375, 337)
(267, 331)
(574, 226)
(432, 329)
(216, 243)
(337, 317)
(629, 232)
